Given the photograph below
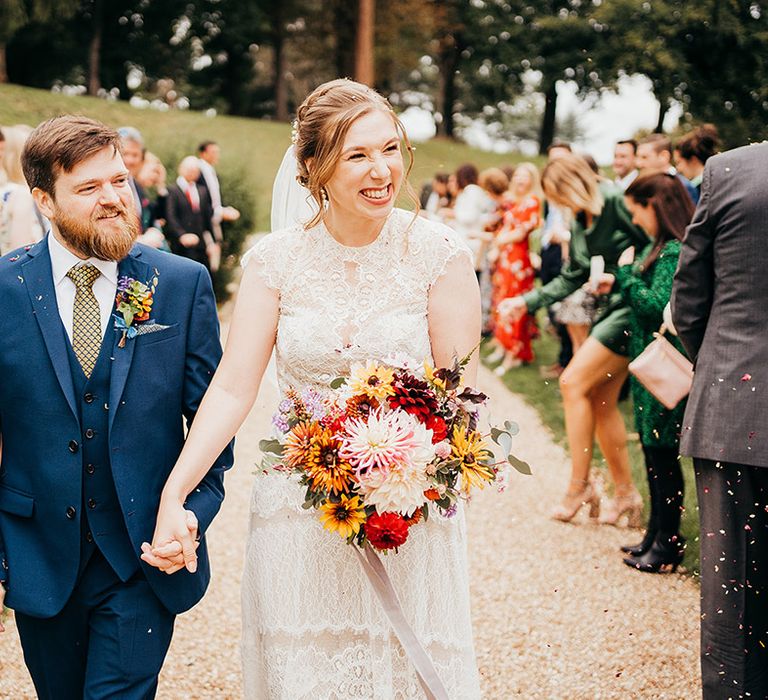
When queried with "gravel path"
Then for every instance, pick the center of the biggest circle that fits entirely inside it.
(556, 614)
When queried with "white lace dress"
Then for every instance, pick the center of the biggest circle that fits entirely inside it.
(312, 627)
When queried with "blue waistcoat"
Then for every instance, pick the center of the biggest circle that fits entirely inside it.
(101, 519)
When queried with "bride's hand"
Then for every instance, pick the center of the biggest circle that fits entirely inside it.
(175, 540)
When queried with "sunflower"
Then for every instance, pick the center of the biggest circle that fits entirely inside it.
(360, 406)
(468, 447)
(345, 517)
(325, 468)
(373, 380)
(299, 443)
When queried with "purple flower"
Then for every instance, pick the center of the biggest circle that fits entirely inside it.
(280, 423)
(285, 406)
(123, 283)
(313, 404)
(450, 511)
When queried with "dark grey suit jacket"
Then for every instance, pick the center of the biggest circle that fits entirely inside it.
(720, 310)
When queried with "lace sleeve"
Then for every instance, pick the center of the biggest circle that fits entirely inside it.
(443, 248)
(269, 257)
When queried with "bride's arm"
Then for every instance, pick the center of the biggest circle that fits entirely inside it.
(454, 315)
(226, 404)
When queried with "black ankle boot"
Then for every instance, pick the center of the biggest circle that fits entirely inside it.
(635, 550)
(665, 554)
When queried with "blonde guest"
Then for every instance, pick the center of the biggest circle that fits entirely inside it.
(20, 223)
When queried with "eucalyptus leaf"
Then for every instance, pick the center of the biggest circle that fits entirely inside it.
(522, 467)
(511, 427)
(338, 382)
(505, 442)
(271, 446)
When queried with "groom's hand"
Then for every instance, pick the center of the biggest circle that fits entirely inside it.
(170, 554)
(2, 609)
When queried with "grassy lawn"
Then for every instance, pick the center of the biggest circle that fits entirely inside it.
(544, 395)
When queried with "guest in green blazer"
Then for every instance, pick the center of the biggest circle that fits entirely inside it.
(661, 205)
(591, 382)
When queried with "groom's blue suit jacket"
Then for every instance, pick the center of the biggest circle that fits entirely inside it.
(157, 381)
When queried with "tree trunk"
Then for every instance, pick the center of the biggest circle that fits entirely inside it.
(3, 65)
(94, 50)
(448, 63)
(547, 134)
(281, 86)
(344, 29)
(364, 72)
(663, 107)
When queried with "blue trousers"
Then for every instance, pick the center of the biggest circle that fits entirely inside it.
(109, 641)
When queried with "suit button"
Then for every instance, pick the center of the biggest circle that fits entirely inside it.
(91, 503)
(73, 446)
(89, 433)
(88, 537)
(90, 469)
(71, 512)
(89, 398)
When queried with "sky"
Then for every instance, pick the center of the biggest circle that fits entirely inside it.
(613, 117)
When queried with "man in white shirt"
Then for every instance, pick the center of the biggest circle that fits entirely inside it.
(624, 163)
(209, 153)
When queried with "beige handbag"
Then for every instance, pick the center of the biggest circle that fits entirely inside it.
(663, 370)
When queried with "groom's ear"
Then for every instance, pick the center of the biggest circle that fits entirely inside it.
(44, 202)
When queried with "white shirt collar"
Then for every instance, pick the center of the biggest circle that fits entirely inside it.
(63, 260)
(185, 184)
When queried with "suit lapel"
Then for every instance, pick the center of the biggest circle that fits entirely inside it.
(38, 277)
(130, 266)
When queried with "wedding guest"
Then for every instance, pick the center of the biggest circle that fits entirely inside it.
(555, 237)
(470, 213)
(437, 198)
(719, 299)
(20, 222)
(152, 178)
(661, 206)
(513, 272)
(624, 168)
(209, 153)
(495, 184)
(189, 214)
(692, 152)
(133, 150)
(591, 383)
(654, 155)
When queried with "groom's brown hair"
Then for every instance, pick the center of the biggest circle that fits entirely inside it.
(59, 144)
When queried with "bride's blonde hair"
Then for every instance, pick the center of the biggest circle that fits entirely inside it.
(321, 125)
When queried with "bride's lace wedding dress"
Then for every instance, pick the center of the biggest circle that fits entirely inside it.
(312, 626)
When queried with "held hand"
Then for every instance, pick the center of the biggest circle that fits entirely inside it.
(189, 240)
(513, 308)
(627, 257)
(602, 284)
(2, 609)
(175, 539)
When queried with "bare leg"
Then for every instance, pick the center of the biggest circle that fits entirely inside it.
(578, 333)
(592, 366)
(610, 428)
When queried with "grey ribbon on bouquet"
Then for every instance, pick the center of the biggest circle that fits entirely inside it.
(382, 585)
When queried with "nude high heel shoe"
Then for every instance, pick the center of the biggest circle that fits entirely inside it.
(627, 500)
(580, 493)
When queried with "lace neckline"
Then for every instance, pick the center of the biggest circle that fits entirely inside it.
(374, 245)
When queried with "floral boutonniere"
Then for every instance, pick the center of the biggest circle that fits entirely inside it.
(134, 304)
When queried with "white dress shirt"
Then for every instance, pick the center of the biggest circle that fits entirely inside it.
(212, 184)
(190, 190)
(104, 288)
(627, 180)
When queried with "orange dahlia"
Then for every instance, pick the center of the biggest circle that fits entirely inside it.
(325, 468)
(299, 444)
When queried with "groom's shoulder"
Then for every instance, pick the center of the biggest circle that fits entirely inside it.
(168, 263)
(12, 262)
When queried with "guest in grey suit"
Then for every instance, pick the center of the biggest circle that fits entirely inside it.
(719, 304)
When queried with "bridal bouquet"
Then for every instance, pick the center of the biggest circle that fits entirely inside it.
(382, 444)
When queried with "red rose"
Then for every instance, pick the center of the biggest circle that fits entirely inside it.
(386, 530)
(438, 427)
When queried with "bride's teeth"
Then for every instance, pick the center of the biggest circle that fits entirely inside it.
(376, 194)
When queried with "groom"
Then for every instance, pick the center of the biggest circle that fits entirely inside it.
(93, 399)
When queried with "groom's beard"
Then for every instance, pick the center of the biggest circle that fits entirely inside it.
(91, 241)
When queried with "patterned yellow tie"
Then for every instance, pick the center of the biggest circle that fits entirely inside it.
(86, 317)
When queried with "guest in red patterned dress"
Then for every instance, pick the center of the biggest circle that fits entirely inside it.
(514, 273)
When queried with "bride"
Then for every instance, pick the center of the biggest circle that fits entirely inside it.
(360, 280)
